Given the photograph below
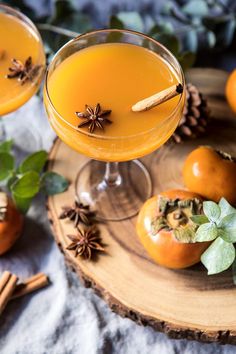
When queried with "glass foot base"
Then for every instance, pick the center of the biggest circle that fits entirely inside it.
(117, 201)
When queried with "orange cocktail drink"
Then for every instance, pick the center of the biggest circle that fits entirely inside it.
(91, 85)
(19, 42)
(116, 75)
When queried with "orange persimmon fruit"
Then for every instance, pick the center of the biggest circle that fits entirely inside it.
(210, 173)
(166, 231)
(11, 224)
(230, 90)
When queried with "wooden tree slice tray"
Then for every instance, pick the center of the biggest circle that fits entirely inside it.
(184, 303)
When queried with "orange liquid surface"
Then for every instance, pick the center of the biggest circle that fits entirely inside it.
(18, 41)
(116, 76)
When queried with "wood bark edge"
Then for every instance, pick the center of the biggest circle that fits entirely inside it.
(171, 330)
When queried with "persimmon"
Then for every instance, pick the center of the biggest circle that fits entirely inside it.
(230, 90)
(210, 173)
(11, 223)
(166, 231)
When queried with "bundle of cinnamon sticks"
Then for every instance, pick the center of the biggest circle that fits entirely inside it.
(11, 289)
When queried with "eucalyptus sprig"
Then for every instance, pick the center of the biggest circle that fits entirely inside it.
(218, 224)
(28, 179)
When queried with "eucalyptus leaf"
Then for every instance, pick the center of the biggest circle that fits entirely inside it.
(162, 27)
(167, 7)
(187, 60)
(115, 22)
(168, 40)
(199, 219)
(228, 222)
(53, 183)
(219, 256)
(6, 165)
(27, 186)
(227, 235)
(65, 15)
(206, 232)
(6, 146)
(195, 8)
(34, 162)
(190, 41)
(211, 210)
(225, 208)
(131, 20)
(211, 39)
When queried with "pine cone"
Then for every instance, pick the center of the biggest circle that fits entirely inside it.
(195, 117)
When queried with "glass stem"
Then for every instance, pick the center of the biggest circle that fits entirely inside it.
(112, 175)
(2, 130)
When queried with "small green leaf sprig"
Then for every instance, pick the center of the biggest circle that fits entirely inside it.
(28, 179)
(218, 224)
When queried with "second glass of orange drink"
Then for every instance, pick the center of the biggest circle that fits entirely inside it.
(90, 87)
(22, 60)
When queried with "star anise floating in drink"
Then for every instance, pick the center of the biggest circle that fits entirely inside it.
(23, 71)
(78, 213)
(94, 117)
(86, 242)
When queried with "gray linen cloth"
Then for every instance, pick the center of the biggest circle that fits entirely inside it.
(66, 318)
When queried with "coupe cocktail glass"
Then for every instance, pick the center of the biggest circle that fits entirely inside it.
(19, 41)
(115, 68)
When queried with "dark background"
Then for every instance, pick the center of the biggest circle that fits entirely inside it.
(205, 28)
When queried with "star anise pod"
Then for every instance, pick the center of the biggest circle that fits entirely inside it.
(94, 118)
(86, 242)
(23, 72)
(78, 213)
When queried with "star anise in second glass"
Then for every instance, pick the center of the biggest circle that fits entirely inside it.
(94, 118)
(78, 213)
(86, 242)
(23, 72)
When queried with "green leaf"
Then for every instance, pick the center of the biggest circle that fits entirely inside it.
(228, 222)
(11, 179)
(22, 204)
(26, 186)
(211, 210)
(67, 16)
(187, 60)
(190, 41)
(196, 8)
(227, 235)
(206, 232)
(53, 183)
(115, 22)
(225, 208)
(211, 39)
(6, 146)
(131, 20)
(6, 165)
(34, 162)
(219, 256)
(162, 27)
(168, 40)
(199, 219)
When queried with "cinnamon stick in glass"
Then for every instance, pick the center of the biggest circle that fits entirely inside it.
(157, 98)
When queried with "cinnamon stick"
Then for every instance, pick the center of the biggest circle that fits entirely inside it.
(157, 98)
(31, 284)
(7, 286)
